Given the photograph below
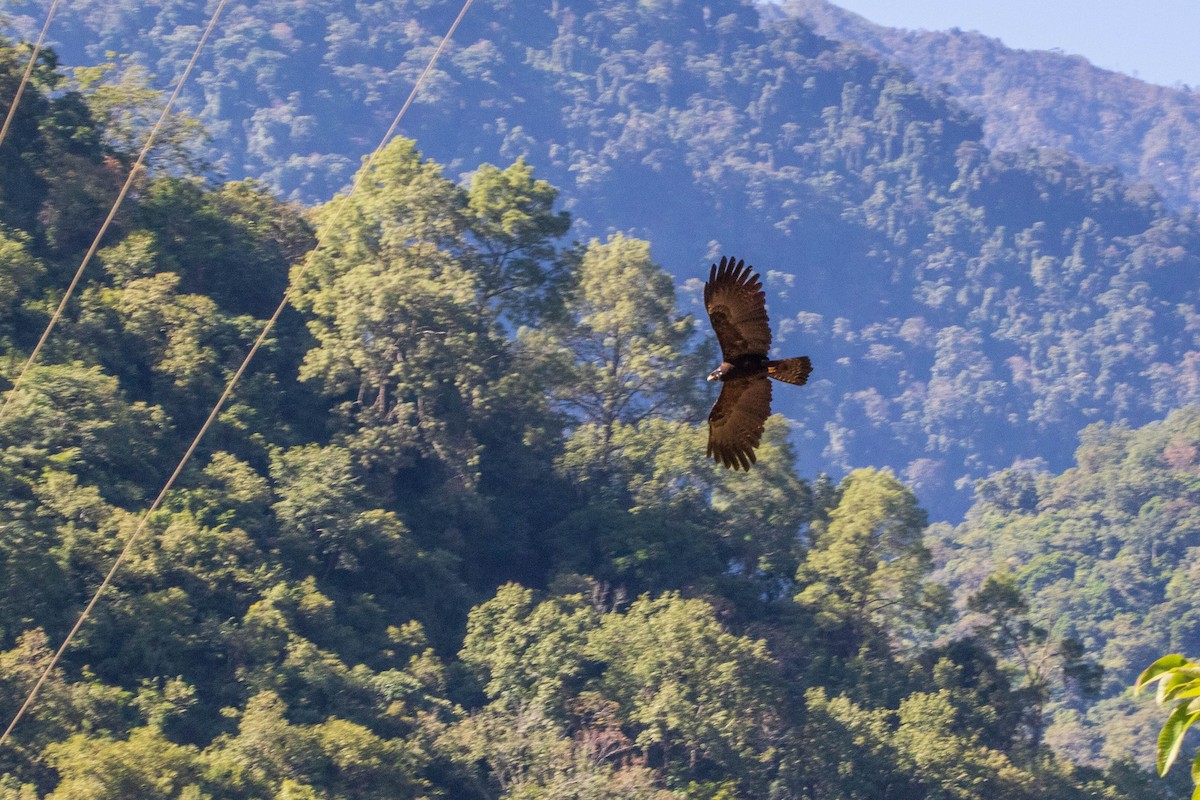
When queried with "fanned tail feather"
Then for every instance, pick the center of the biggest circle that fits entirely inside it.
(790, 370)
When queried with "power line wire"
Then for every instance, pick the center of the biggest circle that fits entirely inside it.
(37, 49)
(234, 380)
(133, 172)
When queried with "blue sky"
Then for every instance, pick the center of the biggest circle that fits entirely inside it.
(1159, 40)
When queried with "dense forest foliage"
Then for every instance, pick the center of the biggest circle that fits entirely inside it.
(1039, 98)
(456, 535)
(966, 309)
(1104, 553)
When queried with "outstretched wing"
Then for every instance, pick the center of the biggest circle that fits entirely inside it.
(735, 424)
(737, 307)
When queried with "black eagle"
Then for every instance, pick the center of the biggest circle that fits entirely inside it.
(737, 308)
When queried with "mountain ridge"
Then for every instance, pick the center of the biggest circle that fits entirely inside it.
(1040, 98)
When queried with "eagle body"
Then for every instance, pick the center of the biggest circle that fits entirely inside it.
(737, 308)
(750, 365)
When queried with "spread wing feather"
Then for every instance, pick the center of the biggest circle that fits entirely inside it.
(737, 307)
(735, 424)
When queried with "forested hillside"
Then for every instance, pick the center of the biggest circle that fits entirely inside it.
(448, 541)
(1105, 552)
(964, 308)
(1038, 98)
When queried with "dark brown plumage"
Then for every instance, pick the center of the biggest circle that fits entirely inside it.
(737, 308)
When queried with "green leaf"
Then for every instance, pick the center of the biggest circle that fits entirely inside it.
(1158, 669)
(1170, 739)
(1171, 682)
(1184, 690)
(1196, 773)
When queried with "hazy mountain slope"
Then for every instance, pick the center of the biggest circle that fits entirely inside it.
(1034, 98)
(963, 309)
(1104, 551)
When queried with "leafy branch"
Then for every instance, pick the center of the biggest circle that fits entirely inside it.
(1178, 682)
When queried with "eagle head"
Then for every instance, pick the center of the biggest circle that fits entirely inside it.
(719, 373)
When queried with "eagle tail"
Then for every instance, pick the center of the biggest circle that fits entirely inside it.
(790, 370)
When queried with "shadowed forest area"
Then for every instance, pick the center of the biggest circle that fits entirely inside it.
(456, 534)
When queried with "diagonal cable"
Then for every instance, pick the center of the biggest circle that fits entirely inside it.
(232, 381)
(133, 172)
(37, 49)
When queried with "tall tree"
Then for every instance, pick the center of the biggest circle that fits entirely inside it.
(393, 309)
(513, 226)
(624, 353)
(529, 655)
(1037, 657)
(663, 657)
(865, 573)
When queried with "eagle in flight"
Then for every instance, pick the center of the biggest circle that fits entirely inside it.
(737, 307)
